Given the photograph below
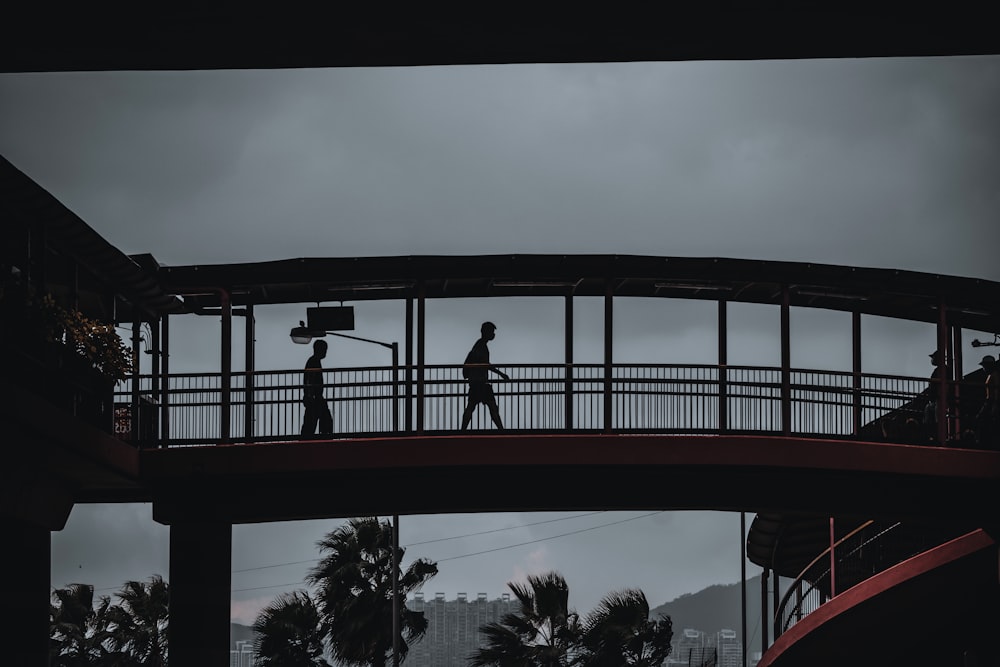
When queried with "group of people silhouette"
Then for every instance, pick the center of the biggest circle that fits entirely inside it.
(475, 370)
(980, 405)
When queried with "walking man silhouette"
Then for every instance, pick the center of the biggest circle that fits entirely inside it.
(475, 370)
(312, 394)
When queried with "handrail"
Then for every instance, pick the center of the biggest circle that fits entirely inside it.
(825, 554)
(645, 398)
(859, 562)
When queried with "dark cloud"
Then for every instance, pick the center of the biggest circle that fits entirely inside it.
(815, 160)
(107, 545)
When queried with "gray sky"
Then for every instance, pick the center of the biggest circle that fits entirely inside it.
(886, 163)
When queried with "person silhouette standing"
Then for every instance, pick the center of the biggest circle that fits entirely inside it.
(930, 416)
(988, 419)
(312, 393)
(476, 369)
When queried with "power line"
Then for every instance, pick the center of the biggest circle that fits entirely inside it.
(499, 530)
(551, 537)
(479, 553)
(440, 539)
(413, 544)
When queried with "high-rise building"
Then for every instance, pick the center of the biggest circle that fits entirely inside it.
(729, 649)
(691, 648)
(241, 655)
(453, 627)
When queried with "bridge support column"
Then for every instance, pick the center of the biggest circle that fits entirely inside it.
(225, 436)
(200, 564)
(723, 372)
(408, 374)
(857, 406)
(764, 618)
(250, 367)
(421, 317)
(956, 378)
(154, 345)
(27, 560)
(786, 363)
(568, 343)
(942, 374)
(165, 383)
(609, 319)
(136, 427)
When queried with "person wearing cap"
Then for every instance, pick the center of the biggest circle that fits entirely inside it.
(989, 415)
(930, 407)
(476, 370)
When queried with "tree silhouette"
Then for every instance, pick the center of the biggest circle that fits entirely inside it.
(544, 632)
(287, 633)
(619, 632)
(132, 633)
(354, 593)
(77, 631)
(138, 623)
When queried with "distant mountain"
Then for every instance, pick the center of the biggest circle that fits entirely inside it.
(709, 610)
(240, 633)
(715, 608)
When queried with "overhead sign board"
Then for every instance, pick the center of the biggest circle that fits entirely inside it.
(330, 318)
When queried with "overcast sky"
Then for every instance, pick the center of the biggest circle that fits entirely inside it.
(872, 162)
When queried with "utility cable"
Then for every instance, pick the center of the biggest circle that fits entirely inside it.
(440, 539)
(479, 553)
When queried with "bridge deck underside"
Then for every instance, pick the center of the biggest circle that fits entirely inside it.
(484, 473)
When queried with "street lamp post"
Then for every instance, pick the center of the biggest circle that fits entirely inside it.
(302, 335)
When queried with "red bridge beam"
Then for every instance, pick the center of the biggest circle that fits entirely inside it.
(447, 474)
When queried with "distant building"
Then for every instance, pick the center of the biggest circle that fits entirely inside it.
(691, 648)
(242, 655)
(453, 627)
(729, 649)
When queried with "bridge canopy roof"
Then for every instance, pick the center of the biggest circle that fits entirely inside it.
(908, 295)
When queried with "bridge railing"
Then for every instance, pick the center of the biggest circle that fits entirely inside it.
(870, 548)
(186, 408)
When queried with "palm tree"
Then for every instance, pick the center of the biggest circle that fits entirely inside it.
(138, 623)
(543, 633)
(354, 596)
(619, 632)
(287, 633)
(77, 631)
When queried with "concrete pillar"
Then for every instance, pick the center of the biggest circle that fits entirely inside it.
(26, 558)
(200, 564)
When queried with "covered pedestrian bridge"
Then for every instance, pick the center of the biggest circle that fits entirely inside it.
(209, 449)
(614, 435)
(796, 445)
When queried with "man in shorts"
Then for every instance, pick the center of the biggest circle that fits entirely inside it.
(317, 410)
(476, 369)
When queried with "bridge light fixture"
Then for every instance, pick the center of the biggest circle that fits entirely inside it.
(370, 287)
(535, 283)
(830, 294)
(302, 334)
(696, 287)
(986, 343)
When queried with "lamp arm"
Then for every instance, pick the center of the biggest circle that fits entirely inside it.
(364, 340)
